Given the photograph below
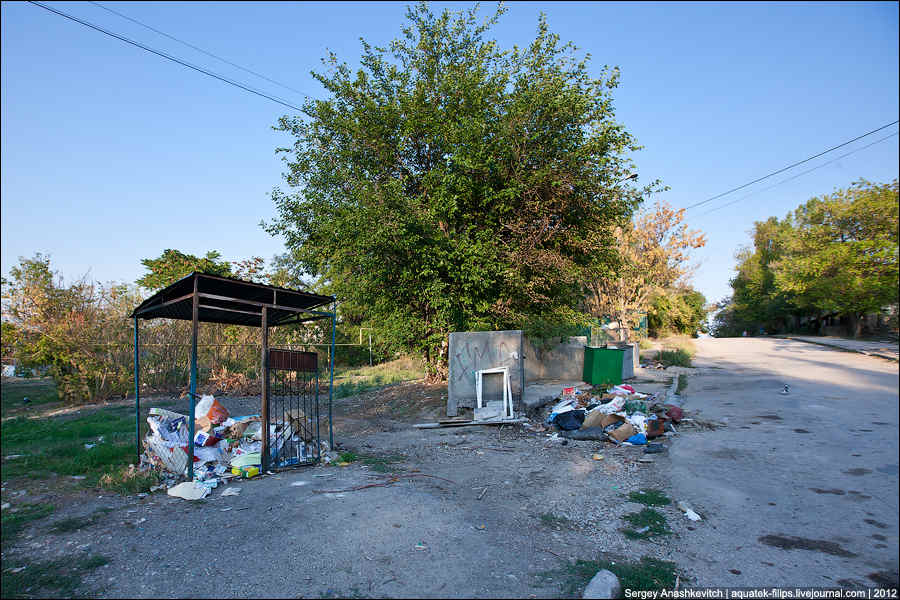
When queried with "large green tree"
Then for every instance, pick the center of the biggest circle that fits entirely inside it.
(448, 184)
(757, 301)
(842, 256)
(172, 265)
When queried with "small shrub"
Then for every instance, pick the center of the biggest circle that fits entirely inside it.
(677, 358)
(650, 498)
(128, 480)
(646, 524)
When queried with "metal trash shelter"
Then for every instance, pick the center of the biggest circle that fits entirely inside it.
(201, 297)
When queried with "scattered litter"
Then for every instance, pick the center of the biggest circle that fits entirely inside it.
(688, 511)
(786, 390)
(654, 448)
(12, 457)
(421, 546)
(645, 459)
(299, 483)
(483, 492)
(79, 477)
(597, 456)
(481, 527)
(17, 570)
(225, 509)
(232, 491)
(89, 446)
(189, 490)
(5, 505)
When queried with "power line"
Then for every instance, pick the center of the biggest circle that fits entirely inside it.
(168, 57)
(801, 174)
(198, 49)
(782, 170)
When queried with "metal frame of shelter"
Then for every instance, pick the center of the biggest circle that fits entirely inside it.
(200, 297)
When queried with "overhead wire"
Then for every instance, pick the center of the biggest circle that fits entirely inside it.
(198, 49)
(791, 178)
(791, 166)
(183, 63)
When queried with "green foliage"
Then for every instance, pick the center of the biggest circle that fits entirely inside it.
(650, 497)
(14, 522)
(38, 392)
(53, 446)
(837, 254)
(647, 574)
(76, 331)
(676, 311)
(449, 185)
(646, 524)
(678, 357)
(59, 578)
(682, 383)
(842, 256)
(172, 265)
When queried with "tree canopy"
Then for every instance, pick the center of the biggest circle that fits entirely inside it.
(836, 254)
(172, 265)
(450, 185)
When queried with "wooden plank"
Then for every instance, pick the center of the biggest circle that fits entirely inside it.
(440, 425)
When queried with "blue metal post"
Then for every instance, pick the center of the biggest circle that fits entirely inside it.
(193, 392)
(331, 376)
(137, 395)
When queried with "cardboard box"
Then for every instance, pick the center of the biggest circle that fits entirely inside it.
(622, 432)
(600, 419)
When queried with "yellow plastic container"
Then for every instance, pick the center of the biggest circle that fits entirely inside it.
(249, 472)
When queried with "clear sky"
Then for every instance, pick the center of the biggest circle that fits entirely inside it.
(111, 154)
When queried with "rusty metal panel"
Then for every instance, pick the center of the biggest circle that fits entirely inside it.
(293, 360)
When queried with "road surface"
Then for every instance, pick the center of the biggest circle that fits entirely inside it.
(798, 489)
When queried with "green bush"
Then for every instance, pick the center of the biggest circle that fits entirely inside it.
(678, 358)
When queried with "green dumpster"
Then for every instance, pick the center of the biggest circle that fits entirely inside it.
(603, 365)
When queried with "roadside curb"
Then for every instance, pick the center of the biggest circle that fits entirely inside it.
(836, 347)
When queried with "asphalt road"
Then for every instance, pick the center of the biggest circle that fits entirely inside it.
(797, 489)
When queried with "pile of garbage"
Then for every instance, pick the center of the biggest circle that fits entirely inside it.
(619, 414)
(225, 447)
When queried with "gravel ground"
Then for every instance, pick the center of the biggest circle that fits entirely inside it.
(519, 504)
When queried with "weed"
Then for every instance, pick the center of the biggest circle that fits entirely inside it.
(646, 524)
(58, 578)
(682, 383)
(678, 357)
(128, 480)
(14, 522)
(347, 457)
(650, 498)
(555, 521)
(382, 464)
(647, 574)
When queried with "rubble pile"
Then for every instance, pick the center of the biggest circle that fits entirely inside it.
(619, 414)
(225, 447)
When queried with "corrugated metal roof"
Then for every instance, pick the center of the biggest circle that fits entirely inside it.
(231, 301)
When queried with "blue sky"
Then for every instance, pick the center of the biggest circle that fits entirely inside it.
(111, 154)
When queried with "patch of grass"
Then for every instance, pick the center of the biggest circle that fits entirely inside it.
(128, 480)
(650, 497)
(14, 522)
(646, 524)
(380, 464)
(677, 357)
(38, 392)
(383, 464)
(347, 457)
(353, 381)
(56, 445)
(555, 521)
(58, 578)
(682, 383)
(647, 574)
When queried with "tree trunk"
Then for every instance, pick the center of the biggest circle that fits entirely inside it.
(855, 325)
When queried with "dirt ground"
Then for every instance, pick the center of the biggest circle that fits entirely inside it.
(458, 512)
